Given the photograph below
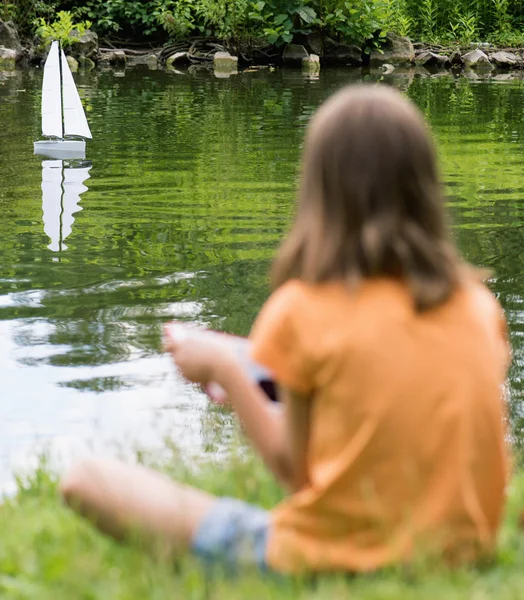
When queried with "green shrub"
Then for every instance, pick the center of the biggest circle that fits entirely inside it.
(135, 17)
(357, 21)
(179, 21)
(396, 17)
(465, 21)
(277, 21)
(223, 19)
(24, 13)
(281, 21)
(60, 29)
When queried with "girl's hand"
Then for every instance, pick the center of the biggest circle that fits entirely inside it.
(199, 355)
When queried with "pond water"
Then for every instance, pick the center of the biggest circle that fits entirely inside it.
(188, 189)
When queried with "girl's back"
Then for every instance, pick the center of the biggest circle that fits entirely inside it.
(390, 357)
(406, 447)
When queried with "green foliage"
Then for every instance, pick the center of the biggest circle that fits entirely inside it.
(396, 17)
(428, 19)
(465, 21)
(513, 38)
(24, 13)
(361, 21)
(501, 15)
(178, 20)
(224, 19)
(276, 21)
(129, 16)
(468, 27)
(60, 29)
(282, 19)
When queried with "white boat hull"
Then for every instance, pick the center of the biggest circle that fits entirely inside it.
(61, 149)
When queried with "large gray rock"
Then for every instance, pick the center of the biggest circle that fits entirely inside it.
(9, 36)
(430, 59)
(476, 58)
(396, 50)
(8, 58)
(505, 59)
(343, 54)
(293, 54)
(223, 62)
(83, 46)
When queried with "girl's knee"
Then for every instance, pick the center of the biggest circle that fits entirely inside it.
(80, 480)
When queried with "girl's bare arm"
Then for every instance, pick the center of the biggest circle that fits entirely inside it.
(280, 436)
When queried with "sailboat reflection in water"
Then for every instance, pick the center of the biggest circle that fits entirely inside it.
(62, 185)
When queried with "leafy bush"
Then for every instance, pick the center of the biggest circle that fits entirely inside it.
(178, 20)
(465, 21)
(355, 20)
(396, 17)
(60, 29)
(24, 13)
(282, 21)
(130, 16)
(225, 19)
(276, 21)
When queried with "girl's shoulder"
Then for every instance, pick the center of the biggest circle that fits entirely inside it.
(480, 299)
(381, 295)
(480, 306)
(303, 293)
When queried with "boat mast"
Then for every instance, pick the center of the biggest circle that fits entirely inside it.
(62, 124)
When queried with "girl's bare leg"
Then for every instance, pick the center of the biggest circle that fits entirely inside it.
(122, 500)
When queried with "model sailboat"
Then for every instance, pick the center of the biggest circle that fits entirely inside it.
(62, 111)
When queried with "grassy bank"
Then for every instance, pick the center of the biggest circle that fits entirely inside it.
(49, 553)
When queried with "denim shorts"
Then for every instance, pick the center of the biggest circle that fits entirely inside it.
(233, 536)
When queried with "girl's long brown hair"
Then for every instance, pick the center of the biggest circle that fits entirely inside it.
(370, 200)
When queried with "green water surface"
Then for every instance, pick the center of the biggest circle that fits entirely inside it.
(191, 187)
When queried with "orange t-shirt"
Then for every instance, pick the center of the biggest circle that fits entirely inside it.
(407, 446)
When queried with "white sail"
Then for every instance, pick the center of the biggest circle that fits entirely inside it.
(75, 122)
(62, 186)
(51, 95)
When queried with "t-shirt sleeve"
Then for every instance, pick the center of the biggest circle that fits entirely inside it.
(278, 338)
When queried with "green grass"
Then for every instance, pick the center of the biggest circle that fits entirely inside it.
(46, 552)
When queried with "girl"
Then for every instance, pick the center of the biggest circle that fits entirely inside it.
(390, 357)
